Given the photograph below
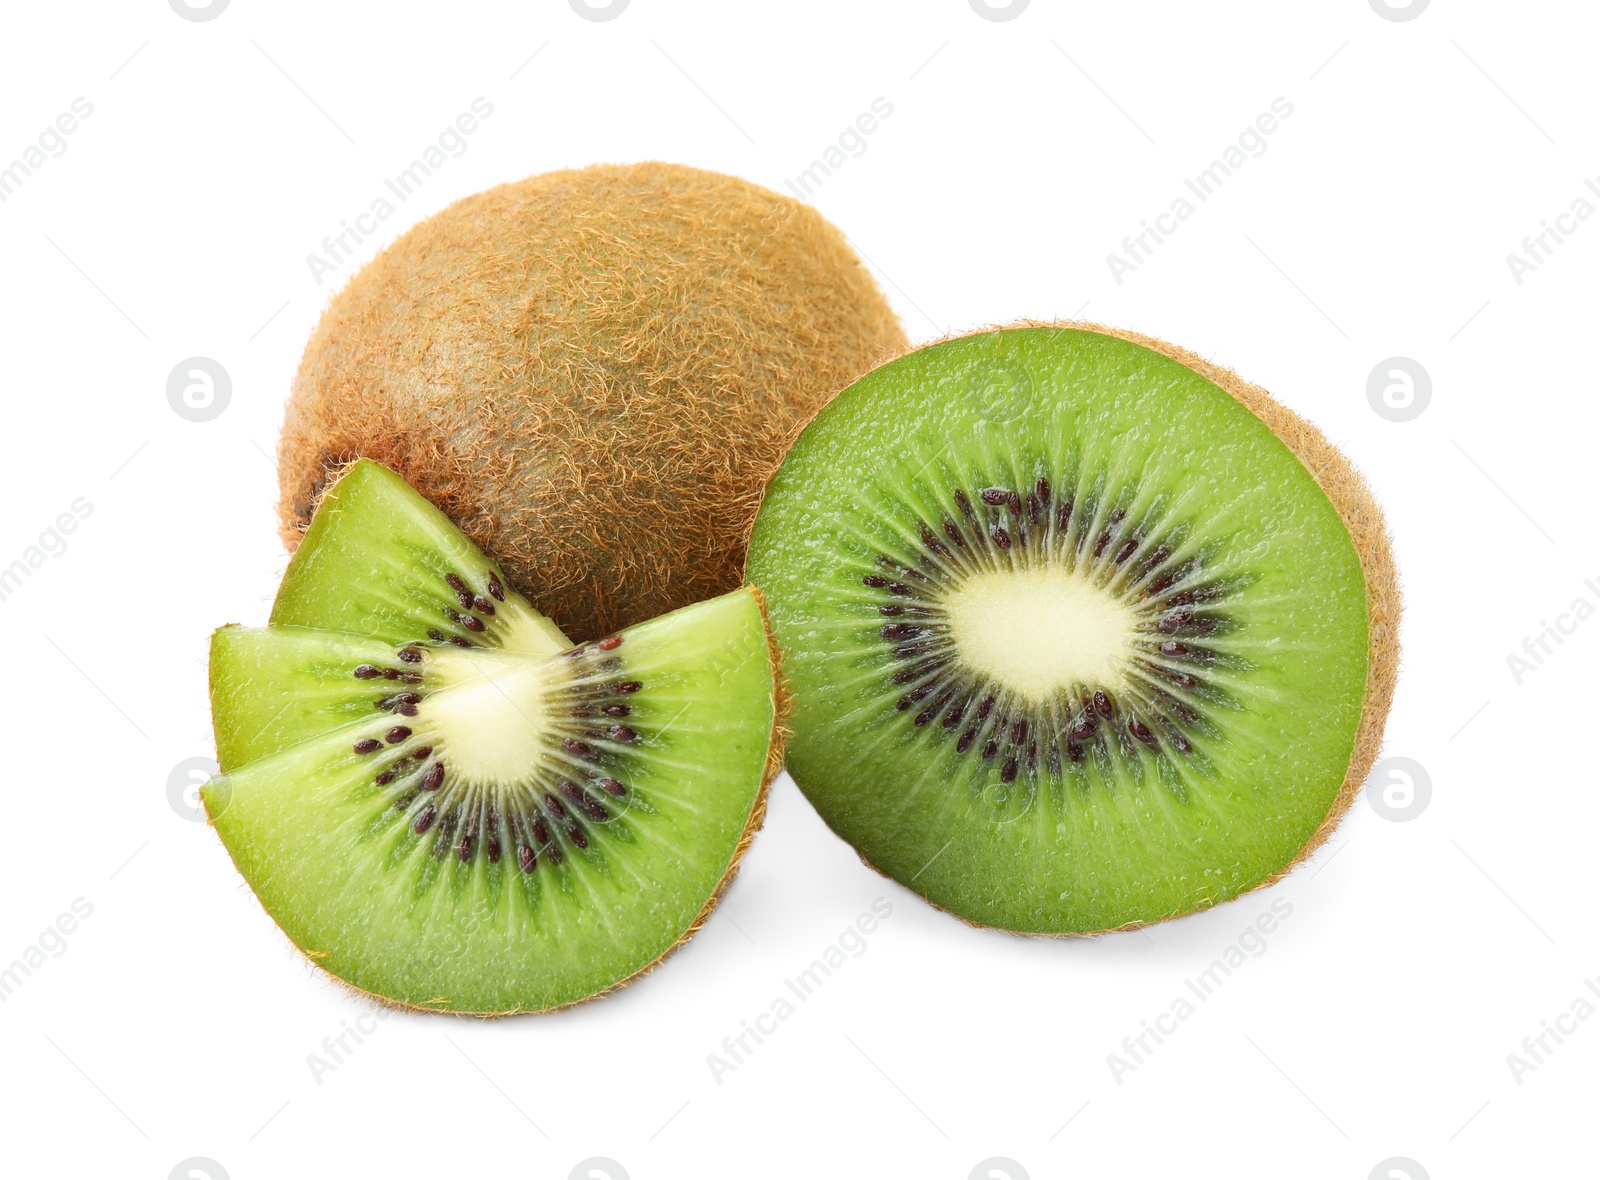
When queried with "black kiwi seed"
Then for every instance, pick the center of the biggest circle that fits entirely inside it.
(526, 858)
(612, 787)
(397, 735)
(495, 589)
(409, 655)
(424, 820)
(368, 746)
(366, 672)
(434, 779)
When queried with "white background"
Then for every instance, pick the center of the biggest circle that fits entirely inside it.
(178, 1022)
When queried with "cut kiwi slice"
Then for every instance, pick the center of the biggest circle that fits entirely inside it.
(1083, 632)
(467, 827)
(378, 560)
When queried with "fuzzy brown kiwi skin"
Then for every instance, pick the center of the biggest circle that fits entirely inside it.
(590, 372)
(1363, 518)
(777, 744)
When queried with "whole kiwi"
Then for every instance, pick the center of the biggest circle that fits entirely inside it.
(593, 372)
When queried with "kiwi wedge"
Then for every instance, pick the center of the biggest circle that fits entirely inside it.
(1083, 632)
(443, 803)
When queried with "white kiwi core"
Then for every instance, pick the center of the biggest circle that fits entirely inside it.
(1040, 632)
(492, 714)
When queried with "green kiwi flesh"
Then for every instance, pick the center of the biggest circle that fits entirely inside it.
(378, 560)
(452, 823)
(1075, 640)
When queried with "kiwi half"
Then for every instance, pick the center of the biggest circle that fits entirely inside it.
(444, 804)
(1083, 632)
(593, 372)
